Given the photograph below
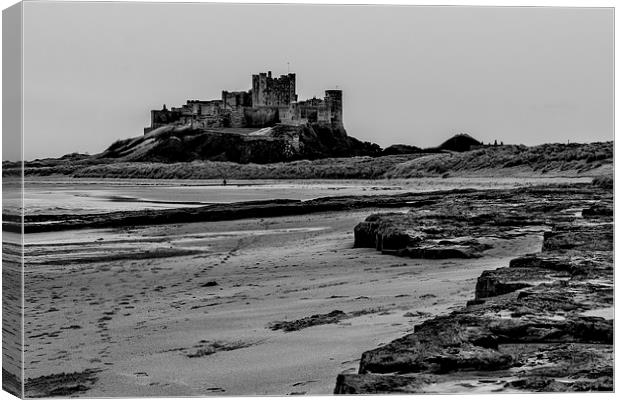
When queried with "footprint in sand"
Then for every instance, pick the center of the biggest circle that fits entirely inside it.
(142, 378)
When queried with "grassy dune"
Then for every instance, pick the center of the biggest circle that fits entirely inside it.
(546, 159)
(329, 168)
(590, 159)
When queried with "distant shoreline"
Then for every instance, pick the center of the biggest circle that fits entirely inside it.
(234, 211)
(215, 212)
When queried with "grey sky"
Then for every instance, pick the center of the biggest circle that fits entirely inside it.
(410, 74)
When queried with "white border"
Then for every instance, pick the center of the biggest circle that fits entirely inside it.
(485, 3)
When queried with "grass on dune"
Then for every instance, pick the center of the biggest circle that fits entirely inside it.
(330, 168)
(543, 159)
(510, 160)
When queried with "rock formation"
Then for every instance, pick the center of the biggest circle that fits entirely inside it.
(543, 323)
(172, 143)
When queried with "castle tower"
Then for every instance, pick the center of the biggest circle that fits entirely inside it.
(259, 87)
(333, 102)
(273, 92)
(292, 88)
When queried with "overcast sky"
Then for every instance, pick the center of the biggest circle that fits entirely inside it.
(410, 74)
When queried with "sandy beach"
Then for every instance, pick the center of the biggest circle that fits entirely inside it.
(186, 309)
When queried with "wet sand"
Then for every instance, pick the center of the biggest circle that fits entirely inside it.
(185, 309)
(71, 196)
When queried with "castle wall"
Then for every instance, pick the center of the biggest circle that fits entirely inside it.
(211, 108)
(163, 117)
(312, 110)
(194, 108)
(270, 101)
(236, 99)
(261, 116)
(286, 114)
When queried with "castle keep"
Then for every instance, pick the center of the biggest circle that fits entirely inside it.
(268, 102)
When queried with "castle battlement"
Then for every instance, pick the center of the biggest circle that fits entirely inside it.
(269, 101)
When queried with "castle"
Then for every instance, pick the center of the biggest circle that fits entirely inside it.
(268, 102)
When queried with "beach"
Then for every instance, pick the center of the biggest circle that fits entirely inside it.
(185, 309)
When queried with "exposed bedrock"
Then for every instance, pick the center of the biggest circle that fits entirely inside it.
(459, 225)
(542, 323)
(567, 237)
(377, 384)
(390, 234)
(440, 345)
(497, 282)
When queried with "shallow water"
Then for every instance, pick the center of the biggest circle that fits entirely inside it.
(78, 196)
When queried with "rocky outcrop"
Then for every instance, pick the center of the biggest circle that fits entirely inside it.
(498, 282)
(381, 384)
(543, 323)
(269, 145)
(453, 226)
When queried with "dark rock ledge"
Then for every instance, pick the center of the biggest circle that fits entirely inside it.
(542, 324)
